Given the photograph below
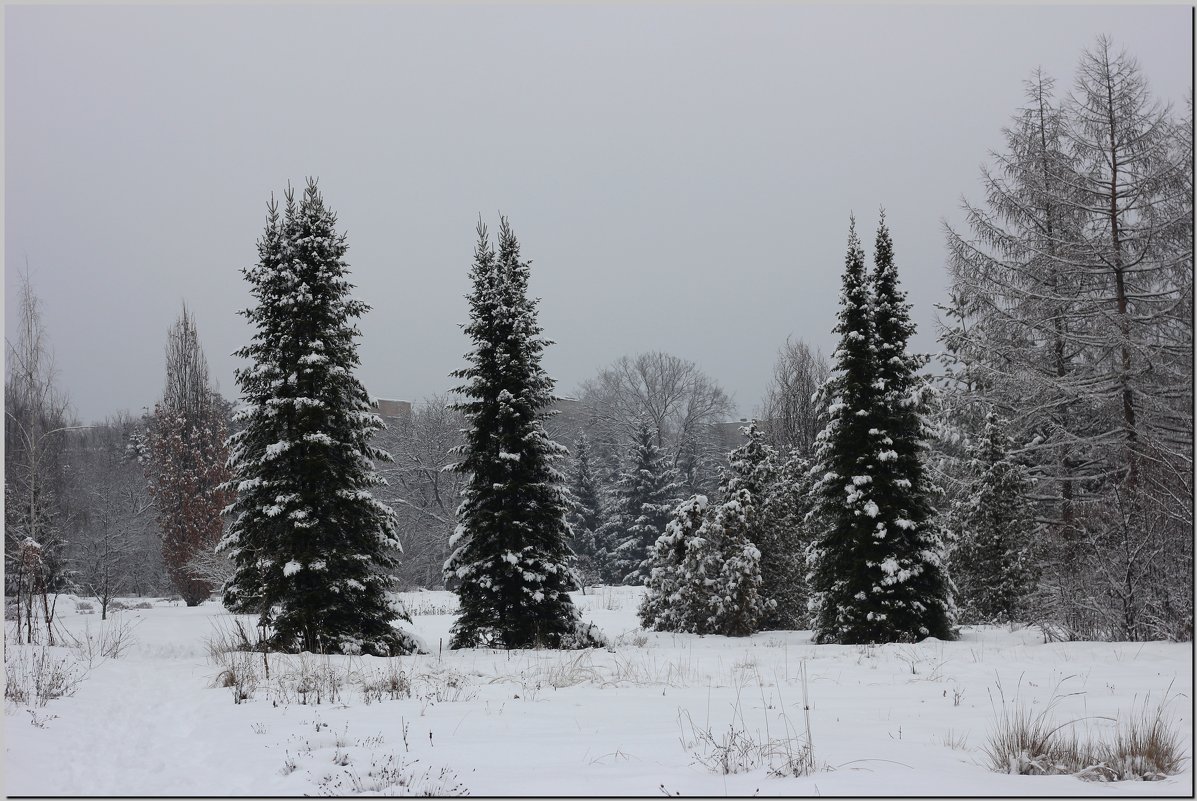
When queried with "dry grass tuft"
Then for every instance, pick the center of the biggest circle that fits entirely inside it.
(37, 675)
(1146, 747)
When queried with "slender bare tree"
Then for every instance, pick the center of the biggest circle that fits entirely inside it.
(112, 514)
(789, 412)
(36, 415)
(422, 487)
(679, 401)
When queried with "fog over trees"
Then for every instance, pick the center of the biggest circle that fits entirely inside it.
(1037, 468)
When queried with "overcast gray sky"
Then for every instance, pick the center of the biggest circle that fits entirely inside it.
(681, 176)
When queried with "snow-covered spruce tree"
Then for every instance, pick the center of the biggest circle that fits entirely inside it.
(992, 563)
(586, 515)
(916, 591)
(781, 535)
(644, 497)
(511, 562)
(705, 573)
(845, 455)
(730, 566)
(876, 574)
(784, 542)
(755, 467)
(311, 546)
(672, 600)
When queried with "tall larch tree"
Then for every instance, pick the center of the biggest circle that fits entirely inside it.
(511, 564)
(312, 547)
(1015, 327)
(1072, 317)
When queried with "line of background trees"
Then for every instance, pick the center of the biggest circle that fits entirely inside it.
(1062, 404)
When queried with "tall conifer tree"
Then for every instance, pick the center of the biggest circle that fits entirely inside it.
(311, 545)
(876, 572)
(844, 456)
(914, 595)
(511, 562)
(187, 468)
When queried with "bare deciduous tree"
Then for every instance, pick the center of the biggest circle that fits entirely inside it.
(789, 410)
(673, 395)
(422, 487)
(35, 416)
(112, 515)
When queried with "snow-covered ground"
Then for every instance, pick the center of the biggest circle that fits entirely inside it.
(628, 720)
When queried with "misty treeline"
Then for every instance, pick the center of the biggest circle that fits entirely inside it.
(1056, 422)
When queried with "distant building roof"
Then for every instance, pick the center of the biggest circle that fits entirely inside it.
(392, 408)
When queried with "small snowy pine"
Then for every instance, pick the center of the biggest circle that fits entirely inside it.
(644, 496)
(672, 600)
(784, 538)
(992, 561)
(586, 512)
(705, 574)
(732, 565)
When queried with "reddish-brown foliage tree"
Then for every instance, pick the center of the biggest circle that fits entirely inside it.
(187, 471)
(187, 466)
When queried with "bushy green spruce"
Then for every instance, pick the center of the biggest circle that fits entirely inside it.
(876, 562)
(729, 565)
(511, 562)
(705, 574)
(312, 547)
(673, 602)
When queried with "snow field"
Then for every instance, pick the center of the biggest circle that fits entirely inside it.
(653, 712)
